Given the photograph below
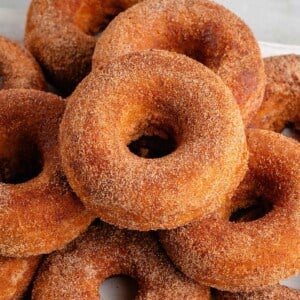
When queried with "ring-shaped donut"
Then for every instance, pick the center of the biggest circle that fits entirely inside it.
(281, 104)
(153, 93)
(38, 211)
(18, 69)
(77, 271)
(201, 29)
(244, 256)
(61, 35)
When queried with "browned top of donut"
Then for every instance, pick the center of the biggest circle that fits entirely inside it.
(120, 102)
(39, 213)
(60, 35)
(77, 271)
(248, 255)
(281, 103)
(201, 29)
(18, 68)
(277, 292)
(15, 275)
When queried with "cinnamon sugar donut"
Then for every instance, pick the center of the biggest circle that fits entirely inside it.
(18, 68)
(161, 95)
(201, 29)
(38, 211)
(281, 103)
(246, 256)
(77, 271)
(15, 276)
(61, 35)
(277, 292)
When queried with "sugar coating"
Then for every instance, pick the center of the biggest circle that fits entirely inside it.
(77, 271)
(60, 35)
(276, 292)
(250, 255)
(117, 103)
(15, 275)
(18, 69)
(42, 214)
(281, 103)
(201, 29)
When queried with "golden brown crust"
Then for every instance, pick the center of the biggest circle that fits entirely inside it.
(247, 256)
(77, 271)
(15, 276)
(201, 29)
(116, 104)
(18, 69)
(277, 292)
(59, 34)
(42, 214)
(281, 103)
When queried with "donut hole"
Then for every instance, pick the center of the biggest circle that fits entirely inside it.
(256, 209)
(20, 160)
(292, 130)
(1, 82)
(119, 287)
(153, 142)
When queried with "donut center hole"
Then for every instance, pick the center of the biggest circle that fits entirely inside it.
(119, 287)
(20, 160)
(154, 142)
(256, 210)
(292, 130)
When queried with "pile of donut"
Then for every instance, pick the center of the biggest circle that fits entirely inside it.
(168, 127)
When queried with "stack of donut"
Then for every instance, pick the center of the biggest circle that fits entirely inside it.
(164, 163)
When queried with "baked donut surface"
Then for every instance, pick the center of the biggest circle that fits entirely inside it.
(38, 211)
(18, 68)
(61, 35)
(277, 292)
(244, 256)
(77, 271)
(201, 29)
(281, 103)
(15, 276)
(148, 94)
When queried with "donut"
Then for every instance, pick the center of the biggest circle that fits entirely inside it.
(61, 35)
(18, 69)
(38, 211)
(281, 104)
(245, 256)
(277, 292)
(15, 276)
(201, 29)
(155, 95)
(77, 271)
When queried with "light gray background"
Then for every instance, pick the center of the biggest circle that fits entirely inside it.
(271, 20)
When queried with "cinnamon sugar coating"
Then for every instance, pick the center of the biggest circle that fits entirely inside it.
(18, 69)
(60, 35)
(277, 292)
(201, 29)
(140, 92)
(248, 255)
(15, 276)
(77, 271)
(39, 214)
(281, 103)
